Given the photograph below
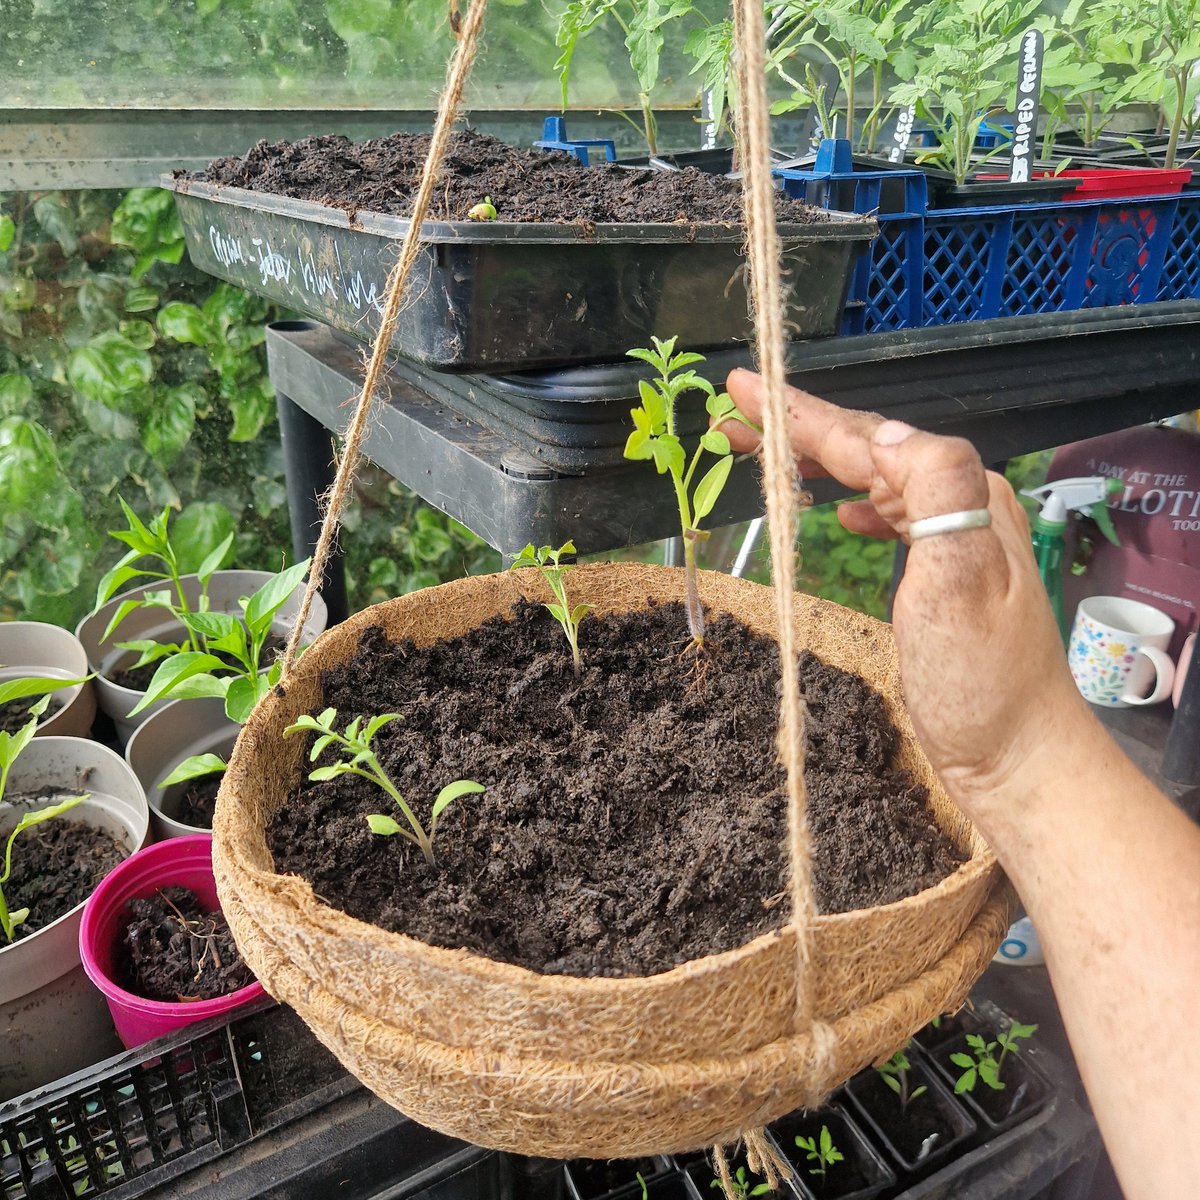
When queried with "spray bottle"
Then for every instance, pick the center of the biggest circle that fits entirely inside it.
(1087, 494)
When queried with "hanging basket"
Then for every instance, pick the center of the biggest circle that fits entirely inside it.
(560, 1066)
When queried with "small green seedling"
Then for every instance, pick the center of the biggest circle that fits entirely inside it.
(11, 745)
(982, 1063)
(894, 1073)
(355, 743)
(820, 1151)
(642, 1185)
(654, 437)
(485, 210)
(553, 571)
(742, 1187)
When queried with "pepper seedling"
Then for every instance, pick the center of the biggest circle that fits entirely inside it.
(548, 562)
(11, 746)
(485, 210)
(654, 437)
(355, 743)
(894, 1073)
(821, 1152)
(982, 1063)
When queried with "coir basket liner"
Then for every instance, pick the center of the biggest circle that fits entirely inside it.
(562, 1066)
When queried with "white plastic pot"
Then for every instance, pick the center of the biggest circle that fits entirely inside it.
(35, 648)
(52, 1021)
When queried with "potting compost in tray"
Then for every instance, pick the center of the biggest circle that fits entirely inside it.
(579, 265)
(633, 818)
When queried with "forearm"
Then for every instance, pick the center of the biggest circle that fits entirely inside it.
(1109, 871)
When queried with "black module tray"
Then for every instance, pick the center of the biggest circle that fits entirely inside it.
(496, 297)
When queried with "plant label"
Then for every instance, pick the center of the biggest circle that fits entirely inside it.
(1029, 94)
(903, 134)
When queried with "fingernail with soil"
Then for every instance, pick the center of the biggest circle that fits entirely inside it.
(892, 433)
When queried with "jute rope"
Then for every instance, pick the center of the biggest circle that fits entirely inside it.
(338, 496)
(766, 293)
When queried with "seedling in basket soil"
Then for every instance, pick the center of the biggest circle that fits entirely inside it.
(654, 437)
(553, 572)
(821, 1152)
(982, 1063)
(742, 1188)
(355, 744)
(11, 746)
(894, 1073)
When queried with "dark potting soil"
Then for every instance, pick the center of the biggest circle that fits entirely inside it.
(381, 175)
(57, 865)
(198, 801)
(179, 951)
(633, 819)
(14, 714)
(918, 1129)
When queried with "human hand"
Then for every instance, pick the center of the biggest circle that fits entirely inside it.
(984, 672)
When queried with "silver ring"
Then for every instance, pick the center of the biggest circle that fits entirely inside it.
(969, 518)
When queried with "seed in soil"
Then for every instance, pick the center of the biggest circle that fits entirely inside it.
(176, 950)
(634, 818)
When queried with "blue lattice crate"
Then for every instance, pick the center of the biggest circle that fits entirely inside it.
(941, 266)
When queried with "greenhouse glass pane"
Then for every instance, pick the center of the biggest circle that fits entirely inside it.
(311, 54)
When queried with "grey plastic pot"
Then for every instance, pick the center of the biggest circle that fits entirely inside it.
(105, 657)
(168, 736)
(35, 648)
(52, 1020)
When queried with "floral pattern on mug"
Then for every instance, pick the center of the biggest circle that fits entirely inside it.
(1101, 667)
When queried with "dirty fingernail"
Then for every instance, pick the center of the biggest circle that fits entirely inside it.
(892, 433)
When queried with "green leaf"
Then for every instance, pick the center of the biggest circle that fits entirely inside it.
(8, 230)
(450, 793)
(35, 685)
(243, 695)
(109, 367)
(199, 531)
(271, 596)
(638, 445)
(965, 1083)
(962, 1060)
(715, 442)
(668, 455)
(709, 489)
(169, 426)
(251, 408)
(212, 624)
(380, 824)
(556, 611)
(184, 323)
(322, 774)
(891, 1081)
(198, 766)
(579, 612)
(29, 820)
(201, 686)
(140, 298)
(174, 671)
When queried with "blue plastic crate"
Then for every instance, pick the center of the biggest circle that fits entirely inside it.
(970, 264)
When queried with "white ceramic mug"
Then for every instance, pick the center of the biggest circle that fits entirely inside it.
(1118, 649)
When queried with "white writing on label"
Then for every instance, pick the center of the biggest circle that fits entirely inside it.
(297, 270)
(904, 128)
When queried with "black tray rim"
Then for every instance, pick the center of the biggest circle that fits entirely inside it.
(840, 227)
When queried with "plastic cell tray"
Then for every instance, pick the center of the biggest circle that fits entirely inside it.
(495, 297)
(932, 267)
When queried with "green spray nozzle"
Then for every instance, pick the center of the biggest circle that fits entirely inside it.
(1086, 494)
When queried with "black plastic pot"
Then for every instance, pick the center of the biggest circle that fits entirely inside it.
(590, 1179)
(921, 1136)
(1025, 1088)
(861, 1175)
(493, 297)
(706, 1186)
(950, 1028)
(717, 161)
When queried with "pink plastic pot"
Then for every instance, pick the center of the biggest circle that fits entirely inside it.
(186, 861)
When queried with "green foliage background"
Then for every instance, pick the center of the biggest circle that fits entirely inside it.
(125, 371)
